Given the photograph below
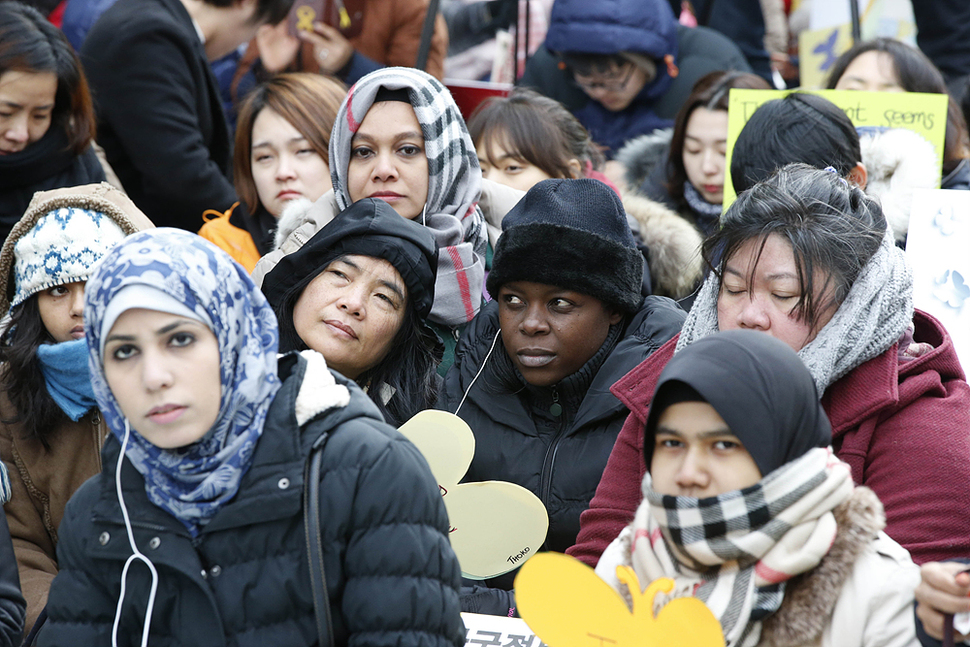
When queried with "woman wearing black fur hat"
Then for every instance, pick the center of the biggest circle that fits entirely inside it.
(567, 305)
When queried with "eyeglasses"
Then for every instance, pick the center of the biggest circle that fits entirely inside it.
(611, 84)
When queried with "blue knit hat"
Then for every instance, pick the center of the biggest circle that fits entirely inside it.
(572, 234)
(62, 247)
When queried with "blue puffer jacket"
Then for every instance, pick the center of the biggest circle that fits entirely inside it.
(647, 27)
(391, 574)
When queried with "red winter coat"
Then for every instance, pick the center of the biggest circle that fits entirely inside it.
(903, 427)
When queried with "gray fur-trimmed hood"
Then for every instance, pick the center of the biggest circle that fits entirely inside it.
(641, 155)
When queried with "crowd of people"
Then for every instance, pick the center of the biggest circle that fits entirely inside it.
(238, 256)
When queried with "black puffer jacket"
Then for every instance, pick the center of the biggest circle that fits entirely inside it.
(391, 574)
(517, 439)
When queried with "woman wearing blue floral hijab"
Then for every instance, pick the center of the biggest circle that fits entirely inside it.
(208, 505)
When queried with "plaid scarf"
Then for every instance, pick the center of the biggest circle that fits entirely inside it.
(735, 551)
(454, 184)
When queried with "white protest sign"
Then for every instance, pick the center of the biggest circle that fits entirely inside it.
(937, 246)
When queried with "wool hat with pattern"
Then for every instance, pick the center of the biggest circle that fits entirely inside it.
(572, 234)
(62, 248)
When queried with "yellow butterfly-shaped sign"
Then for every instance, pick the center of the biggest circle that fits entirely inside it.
(495, 526)
(568, 605)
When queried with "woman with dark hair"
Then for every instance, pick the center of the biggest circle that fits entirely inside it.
(262, 494)
(51, 431)
(46, 117)
(887, 65)
(359, 293)
(525, 138)
(687, 174)
(281, 154)
(807, 258)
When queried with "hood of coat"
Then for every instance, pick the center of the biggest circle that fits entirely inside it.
(646, 27)
(673, 246)
(657, 321)
(811, 597)
(102, 198)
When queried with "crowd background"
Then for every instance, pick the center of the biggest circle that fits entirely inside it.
(555, 266)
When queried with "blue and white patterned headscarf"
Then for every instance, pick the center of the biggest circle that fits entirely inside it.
(193, 482)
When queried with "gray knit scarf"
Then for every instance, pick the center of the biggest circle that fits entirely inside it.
(873, 316)
(454, 184)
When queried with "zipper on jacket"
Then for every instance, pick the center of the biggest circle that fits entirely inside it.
(549, 461)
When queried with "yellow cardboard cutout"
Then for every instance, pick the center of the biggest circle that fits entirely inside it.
(495, 526)
(568, 605)
(817, 51)
(924, 114)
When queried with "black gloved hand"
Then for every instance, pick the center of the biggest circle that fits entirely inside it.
(503, 13)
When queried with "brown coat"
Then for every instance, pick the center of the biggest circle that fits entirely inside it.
(41, 483)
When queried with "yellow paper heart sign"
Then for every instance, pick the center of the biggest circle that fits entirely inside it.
(494, 526)
(568, 605)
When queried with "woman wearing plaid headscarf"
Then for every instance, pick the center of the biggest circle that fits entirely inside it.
(746, 507)
(400, 137)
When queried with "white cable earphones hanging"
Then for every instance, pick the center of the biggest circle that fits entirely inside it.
(490, 349)
(137, 555)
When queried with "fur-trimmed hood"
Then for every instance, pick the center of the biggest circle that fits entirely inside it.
(898, 162)
(673, 246)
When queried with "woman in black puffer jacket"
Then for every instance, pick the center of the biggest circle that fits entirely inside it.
(566, 284)
(214, 434)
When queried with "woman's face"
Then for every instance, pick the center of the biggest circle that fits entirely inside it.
(870, 71)
(549, 332)
(285, 165)
(696, 455)
(26, 107)
(387, 159)
(507, 169)
(775, 290)
(705, 144)
(62, 311)
(351, 312)
(163, 370)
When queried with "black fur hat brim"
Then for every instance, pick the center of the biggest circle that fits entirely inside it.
(568, 258)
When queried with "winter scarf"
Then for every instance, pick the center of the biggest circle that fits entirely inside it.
(697, 202)
(735, 551)
(454, 184)
(65, 369)
(192, 483)
(873, 316)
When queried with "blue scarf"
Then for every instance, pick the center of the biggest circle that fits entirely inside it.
(192, 483)
(65, 369)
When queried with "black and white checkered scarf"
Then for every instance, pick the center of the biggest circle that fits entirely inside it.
(454, 183)
(735, 551)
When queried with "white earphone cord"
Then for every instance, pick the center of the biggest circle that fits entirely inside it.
(474, 379)
(137, 555)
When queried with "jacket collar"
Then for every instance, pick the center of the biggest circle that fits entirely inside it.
(273, 485)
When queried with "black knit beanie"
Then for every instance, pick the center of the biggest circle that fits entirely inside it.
(572, 234)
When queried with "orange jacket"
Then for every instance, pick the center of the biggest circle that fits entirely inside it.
(235, 241)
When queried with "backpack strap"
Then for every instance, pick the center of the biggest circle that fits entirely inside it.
(314, 543)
